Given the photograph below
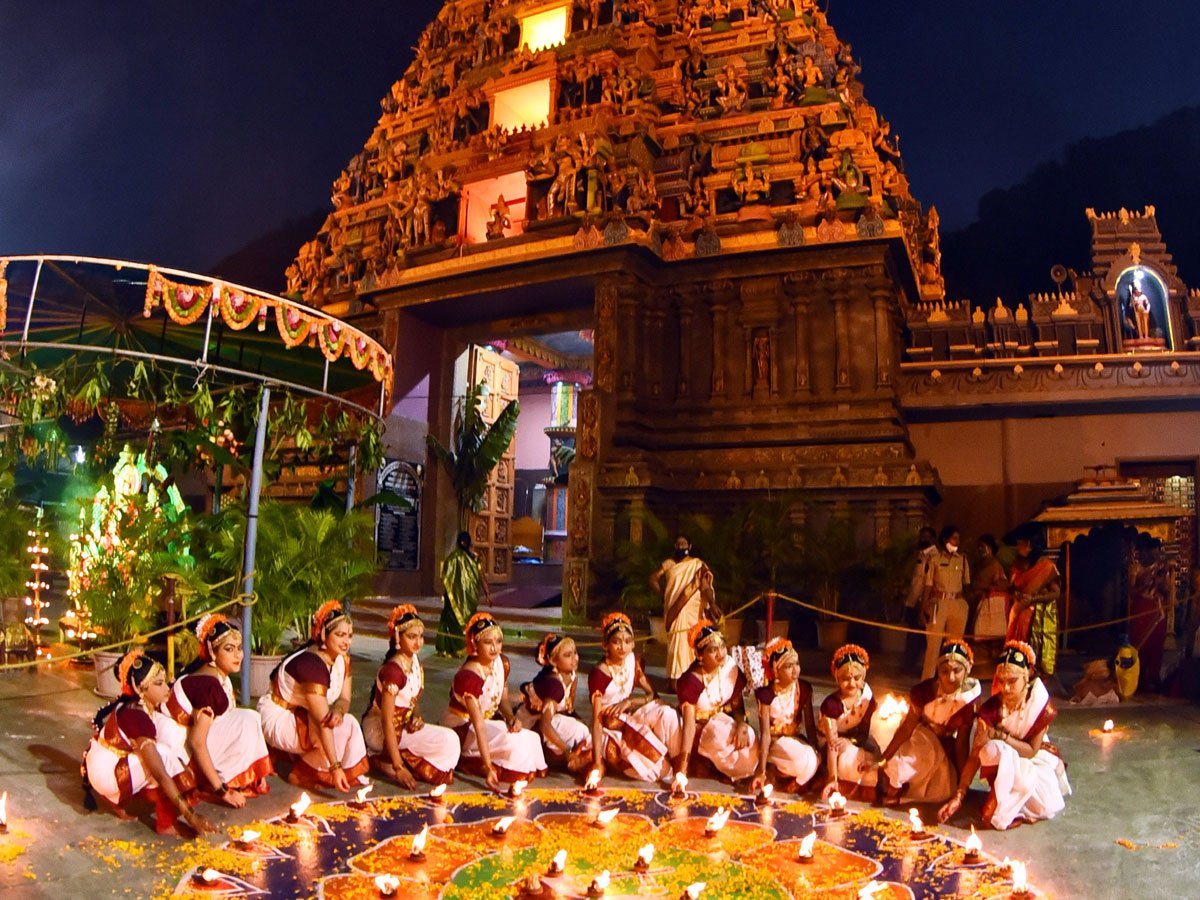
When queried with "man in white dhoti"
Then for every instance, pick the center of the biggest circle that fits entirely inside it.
(687, 596)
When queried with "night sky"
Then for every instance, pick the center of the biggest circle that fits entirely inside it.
(176, 132)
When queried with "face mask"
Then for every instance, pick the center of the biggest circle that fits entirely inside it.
(681, 553)
(952, 548)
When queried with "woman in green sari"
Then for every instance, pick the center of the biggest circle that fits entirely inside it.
(462, 580)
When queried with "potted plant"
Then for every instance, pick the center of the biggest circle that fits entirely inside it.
(304, 557)
(634, 561)
(772, 547)
(890, 570)
(829, 551)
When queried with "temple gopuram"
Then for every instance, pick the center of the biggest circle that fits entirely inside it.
(677, 231)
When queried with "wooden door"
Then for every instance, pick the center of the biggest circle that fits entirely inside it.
(492, 527)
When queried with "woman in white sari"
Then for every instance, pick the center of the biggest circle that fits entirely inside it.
(845, 724)
(713, 711)
(638, 736)
(1026, 774)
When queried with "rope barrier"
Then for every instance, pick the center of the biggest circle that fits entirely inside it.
(238, 600)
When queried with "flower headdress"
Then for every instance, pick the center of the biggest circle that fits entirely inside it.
(614, 622)
(847, 654)
(1019, 654)
(478, 626)
(703, 633)
(777, 651)
(550, 645)
(403, 618)
(208, 629)
(324, 618)
(135, 667)
(957, 648)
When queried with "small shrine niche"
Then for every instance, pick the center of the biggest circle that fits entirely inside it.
(546, 27)
(493, 208)
(526, 106)
(1143, 314)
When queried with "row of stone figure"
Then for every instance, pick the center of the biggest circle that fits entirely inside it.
(177, 744)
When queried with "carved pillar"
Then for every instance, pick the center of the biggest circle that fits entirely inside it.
(840, 295)
(797, 286)
(883, 523)
(655, 317)
(685, 313)
(629, 342)
(881, 297)
(720, 312)
(605, 336)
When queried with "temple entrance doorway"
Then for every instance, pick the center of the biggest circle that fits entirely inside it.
(521, 535)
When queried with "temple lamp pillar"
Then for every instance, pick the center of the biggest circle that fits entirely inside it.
(260, 440)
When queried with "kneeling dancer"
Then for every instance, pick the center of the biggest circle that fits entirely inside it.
(502, 750)
(124, 763)
(714, 714)
(307, 711)
(1028, 777)
(403, 746)
(226, 744)
(787, 729)
(922, 761)
(638, 736)
(549, 705)
(846, 725)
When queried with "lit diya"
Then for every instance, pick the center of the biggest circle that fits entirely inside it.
(417, 853)
(4, 812)
(837, 806)
(500, 829)
(974, 848)
(245, 841)
(599, 885)
(206, 878)
(645, 856)
(517, 789)
(694, 890)
(605, 816)
(916, 828)
(438, 794)
(591, 787)
(764, 796)
(679, 787)
(1108, 726)
(559, 864)
(360, 797)
(1020, 887)
(716, 822)
(298, 808)
(387, 885)
(805, 855)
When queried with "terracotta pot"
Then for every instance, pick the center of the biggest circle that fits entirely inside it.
(892, 641)
(831, 633)
(261, 667)
(107, 684)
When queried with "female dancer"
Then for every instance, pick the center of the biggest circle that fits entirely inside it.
(549, 706)
(710, 696)
(123, 761)
(402, 745)
(226, 744)
(307, 712)
(1027, 776)
(639, 737)
(784, 706)
(933, 742)
(501, 750)
(845, 725)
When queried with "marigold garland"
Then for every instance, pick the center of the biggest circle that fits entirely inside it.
(331, 338)
(293, 324)
(239, 309)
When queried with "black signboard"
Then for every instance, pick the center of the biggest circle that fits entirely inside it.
(398, 529)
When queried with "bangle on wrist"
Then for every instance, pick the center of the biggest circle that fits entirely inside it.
(335, 766)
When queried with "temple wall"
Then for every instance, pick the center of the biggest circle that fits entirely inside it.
(996, 473)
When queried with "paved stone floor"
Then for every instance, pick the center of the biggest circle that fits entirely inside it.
(1140, 791)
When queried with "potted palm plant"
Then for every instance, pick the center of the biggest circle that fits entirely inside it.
(829, 551)
(305, 556)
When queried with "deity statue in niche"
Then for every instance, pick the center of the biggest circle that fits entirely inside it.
(760, 354)
(751, 188)
(499, 221)
(1142, 309)
(732, 90)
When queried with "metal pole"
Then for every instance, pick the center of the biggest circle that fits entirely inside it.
(212, 311)
(37, 276)
(350, 466)
(260, 440)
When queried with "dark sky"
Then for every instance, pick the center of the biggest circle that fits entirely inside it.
(175, 132)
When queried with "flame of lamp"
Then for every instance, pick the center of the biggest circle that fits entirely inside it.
(360, 795)
(518, 788)
(1108, 726)
(764, 796)
(437, 793)
(916, 826)
(501, 827)
(716, 822)
(4, 811)
(1020, 887)
(387, 885)
(417, 853)
(558, 864)
(298, 808)
(869, 890)
(973, 846)
(645, 855)
(806, 847)
(599, 885)
(207, 876)
(693, 890)
(837, 805)
(605, 816)
(679, 785)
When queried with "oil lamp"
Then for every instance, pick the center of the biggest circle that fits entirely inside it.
(974, 848)
(599, 885)
(644, 857)
(360, 797)
(206, 877)
(1108, 726)
(605, 816)
(591, 787)
(4, 812)
(500, 829)
(837, 805)
(764, 796)
(806, 848)
(559, 864)
(1020, 889)
(517, 789)
(438, 794)
(916, 828)
(716, 822)
(679, 786)
(246, 839)
(297, 809)
(417, 853)
(387, 885)
(693, 890)
(869, 890)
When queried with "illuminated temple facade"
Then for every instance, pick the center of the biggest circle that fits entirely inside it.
(689, 213)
